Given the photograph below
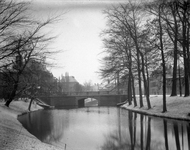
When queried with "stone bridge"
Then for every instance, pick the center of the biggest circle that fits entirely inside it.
(77, 99)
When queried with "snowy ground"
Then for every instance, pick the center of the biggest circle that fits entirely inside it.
(177, 107)
(12, 135)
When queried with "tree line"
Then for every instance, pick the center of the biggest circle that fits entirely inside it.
(23, 51)
(142, 36)
(25, 55)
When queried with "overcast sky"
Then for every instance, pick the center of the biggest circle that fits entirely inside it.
(78, 31)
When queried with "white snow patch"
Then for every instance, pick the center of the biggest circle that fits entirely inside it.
(177, 107)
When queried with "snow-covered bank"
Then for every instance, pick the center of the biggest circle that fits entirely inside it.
(177, 107)
(12, 135)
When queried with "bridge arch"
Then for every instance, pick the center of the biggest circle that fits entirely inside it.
(87, 102)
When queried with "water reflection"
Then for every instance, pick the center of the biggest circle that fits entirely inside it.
(106, 128)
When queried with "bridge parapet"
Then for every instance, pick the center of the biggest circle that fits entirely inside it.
(93, 93)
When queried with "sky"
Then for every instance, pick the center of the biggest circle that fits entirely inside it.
(78, 39)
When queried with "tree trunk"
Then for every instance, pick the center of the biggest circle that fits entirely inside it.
(174, 79)
(163, 59)
(164, 85)
(180, 88)
(130, 80)
(129, 89)
(185, 52)
(135, 39)
(31, 100)
(134, 94)
(145, 83)
(185, 64)
(139, 79)
(147, 74)
(7, 103)
(13, 93)
(186, 78)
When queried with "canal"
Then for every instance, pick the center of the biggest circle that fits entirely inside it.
(106, 128)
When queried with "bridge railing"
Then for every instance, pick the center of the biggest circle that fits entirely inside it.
(93, 93)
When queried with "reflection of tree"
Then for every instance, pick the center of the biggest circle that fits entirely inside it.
(118, 140)
(41, 124)
(142, 134)
(148, 141)
(132, 128)
(34, 123)
(135, 124)
(113, 142)
(129, 141)
(182, 140)
(130, 117)
(188, 135)
(166, 134)
(176, 133)
(179, 132)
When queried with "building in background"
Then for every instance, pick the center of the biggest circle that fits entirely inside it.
(68, 84)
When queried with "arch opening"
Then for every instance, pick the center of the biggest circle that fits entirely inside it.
(87, 102)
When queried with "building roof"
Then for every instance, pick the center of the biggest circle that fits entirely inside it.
(68, 79)
(72, 79)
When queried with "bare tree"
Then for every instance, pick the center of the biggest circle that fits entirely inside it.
(28, 47)
(12, 18)
(126, 45)
(156, 9)
(184, 17)
(88, 86)
(172, 30)
(22, 41)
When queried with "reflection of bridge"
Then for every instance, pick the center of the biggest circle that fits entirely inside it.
(77, 99)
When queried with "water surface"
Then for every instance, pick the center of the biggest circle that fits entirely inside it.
(106, 128)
